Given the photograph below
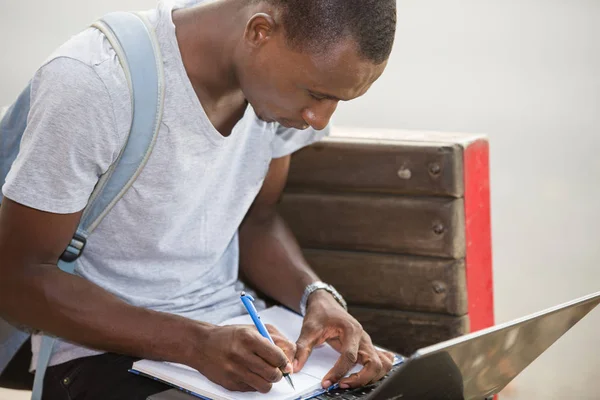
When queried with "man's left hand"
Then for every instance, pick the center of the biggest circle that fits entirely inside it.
(327, 321)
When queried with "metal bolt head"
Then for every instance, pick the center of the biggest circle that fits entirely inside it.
(435, 169)
(438, 228)
(404, 173)
(439, 287)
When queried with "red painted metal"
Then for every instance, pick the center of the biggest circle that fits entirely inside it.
(480, 289)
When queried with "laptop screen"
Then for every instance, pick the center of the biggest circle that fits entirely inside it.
(481, 364)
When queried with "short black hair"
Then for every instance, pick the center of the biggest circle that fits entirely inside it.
(315, 25)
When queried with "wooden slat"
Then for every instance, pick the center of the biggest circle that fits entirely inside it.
(405, 332)
(394, 281)
(405, 225)
(370, 166)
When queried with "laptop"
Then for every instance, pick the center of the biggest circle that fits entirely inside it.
(476, 366)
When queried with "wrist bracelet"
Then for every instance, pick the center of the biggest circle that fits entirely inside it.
(318, 286)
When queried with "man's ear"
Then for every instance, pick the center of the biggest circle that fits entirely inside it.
(259, 29)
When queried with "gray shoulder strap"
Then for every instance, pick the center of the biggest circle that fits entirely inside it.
(140, 55)
(134, 41)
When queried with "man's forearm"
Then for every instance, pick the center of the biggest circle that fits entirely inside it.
(271, 259)
(45, 298)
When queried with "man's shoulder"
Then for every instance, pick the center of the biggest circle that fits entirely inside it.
(86, 67)
(86, 60)
(89, 47)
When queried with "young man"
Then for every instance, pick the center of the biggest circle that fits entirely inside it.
(248, 82)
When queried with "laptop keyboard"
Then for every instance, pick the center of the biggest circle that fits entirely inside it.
(353, 394)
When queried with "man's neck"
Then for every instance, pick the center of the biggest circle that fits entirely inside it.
(207, 36)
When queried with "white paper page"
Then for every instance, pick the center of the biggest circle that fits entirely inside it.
(190, 379)
(321, 360)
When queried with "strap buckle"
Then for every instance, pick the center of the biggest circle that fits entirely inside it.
(74, 249)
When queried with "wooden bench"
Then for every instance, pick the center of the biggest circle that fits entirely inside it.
(399, 223)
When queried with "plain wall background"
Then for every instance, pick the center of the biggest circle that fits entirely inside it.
(524, 72)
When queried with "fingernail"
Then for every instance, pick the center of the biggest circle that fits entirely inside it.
(344, 385)
(288, 368)
(296, 364)
(327, 384)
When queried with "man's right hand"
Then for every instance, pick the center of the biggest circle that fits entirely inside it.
(35, 293)
(238, 358)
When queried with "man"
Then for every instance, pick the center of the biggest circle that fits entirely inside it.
(248, 82)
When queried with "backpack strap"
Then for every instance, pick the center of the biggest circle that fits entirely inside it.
(124, 30)
(134, 41)
(11, 340)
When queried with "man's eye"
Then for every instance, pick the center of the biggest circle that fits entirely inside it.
(316, 97)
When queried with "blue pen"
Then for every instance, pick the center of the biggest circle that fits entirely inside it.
(249, 304)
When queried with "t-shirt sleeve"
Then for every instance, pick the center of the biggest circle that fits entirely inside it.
(288, 140)
(71, 139)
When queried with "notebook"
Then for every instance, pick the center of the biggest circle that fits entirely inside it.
(307, 381)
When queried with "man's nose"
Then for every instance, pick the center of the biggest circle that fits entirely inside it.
(318, 115)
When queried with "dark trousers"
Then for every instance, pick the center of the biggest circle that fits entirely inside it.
(102, 377)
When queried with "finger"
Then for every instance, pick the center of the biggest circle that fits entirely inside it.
(387, 363)
(371, 372)
(263, 369)
(255, 381)
(253, 342)
(272, 354)
(387, 355)
(238, 387)
(288, 347)
(350, 340)
(304, 345)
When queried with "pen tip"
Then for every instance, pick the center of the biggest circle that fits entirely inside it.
(289, 380)
(242, 294)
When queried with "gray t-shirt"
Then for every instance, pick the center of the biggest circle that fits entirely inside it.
(171, 243)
